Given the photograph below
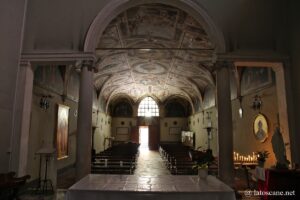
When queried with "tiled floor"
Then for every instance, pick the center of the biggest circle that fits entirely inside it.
(150, 163)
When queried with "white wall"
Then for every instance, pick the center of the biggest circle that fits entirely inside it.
(116, 124)
(102, 131)
(170, 123)
(197, 124)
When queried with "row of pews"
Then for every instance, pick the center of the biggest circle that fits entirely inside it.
(179, 159)
(118, 159)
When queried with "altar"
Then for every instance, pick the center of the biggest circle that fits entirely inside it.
(166, 187)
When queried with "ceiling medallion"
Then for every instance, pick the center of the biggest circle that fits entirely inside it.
(150, 68)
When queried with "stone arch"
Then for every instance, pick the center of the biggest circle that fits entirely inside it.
(175, 101)
(115, 7)
(116, 97)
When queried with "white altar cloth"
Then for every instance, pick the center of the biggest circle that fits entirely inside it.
(167, 187)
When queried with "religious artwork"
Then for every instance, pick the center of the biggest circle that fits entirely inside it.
(188, 138)
(62, 131)
(260, 128)
(255, 78)
(140, 72)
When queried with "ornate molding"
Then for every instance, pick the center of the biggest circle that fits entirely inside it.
(60, 57)
(252, 56)
(24, 63)
(90, 64)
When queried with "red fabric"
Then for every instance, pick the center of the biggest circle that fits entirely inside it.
(263, 185)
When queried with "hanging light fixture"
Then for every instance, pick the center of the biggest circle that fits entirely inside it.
(44, 102)
(257, 103)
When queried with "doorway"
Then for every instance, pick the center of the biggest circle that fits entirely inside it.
(144, 137)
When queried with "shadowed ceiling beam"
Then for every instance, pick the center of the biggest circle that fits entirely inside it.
(156, 48)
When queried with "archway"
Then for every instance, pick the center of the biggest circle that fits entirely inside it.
(115, 7)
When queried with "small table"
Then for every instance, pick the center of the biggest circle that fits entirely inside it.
(45, 153)
(246, 166)
(164, 187)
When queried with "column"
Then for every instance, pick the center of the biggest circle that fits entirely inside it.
(225, 134)
(84, 122)
(22, 110)
(12, 17)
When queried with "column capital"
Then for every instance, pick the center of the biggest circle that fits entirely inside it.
(223, 64)
(24, 63)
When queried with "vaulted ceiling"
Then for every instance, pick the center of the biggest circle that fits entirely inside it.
(154, 50)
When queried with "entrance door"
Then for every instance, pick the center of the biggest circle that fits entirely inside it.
(144, 137)
(153, 137)
(135, 134)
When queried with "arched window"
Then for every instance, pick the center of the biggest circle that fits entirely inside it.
(148, 108)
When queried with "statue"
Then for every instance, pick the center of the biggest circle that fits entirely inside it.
(279, 150)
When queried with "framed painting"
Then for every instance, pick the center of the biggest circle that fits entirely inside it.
(260, 128)
(62, 131)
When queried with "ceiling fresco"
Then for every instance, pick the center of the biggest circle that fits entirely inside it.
(154, 50)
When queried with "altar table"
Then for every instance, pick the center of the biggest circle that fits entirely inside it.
(165, 187)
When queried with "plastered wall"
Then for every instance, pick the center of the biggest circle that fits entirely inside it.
(43, 130)
(244, 140)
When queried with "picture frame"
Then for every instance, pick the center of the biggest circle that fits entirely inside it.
(260, 128)
(62, 131)
(174, 130)
(122, 130)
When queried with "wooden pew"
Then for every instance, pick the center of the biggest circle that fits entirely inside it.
(120, 159)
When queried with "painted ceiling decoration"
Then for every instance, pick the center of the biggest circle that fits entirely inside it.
(155, 50)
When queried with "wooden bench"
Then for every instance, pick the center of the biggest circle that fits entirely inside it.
(120, 159)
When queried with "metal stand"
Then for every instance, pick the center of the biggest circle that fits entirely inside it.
(208, 136)
(44, 185)
(46, 180)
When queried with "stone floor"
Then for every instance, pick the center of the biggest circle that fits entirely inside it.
(149, 163)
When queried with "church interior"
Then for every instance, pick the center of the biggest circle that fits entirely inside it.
(149, 99)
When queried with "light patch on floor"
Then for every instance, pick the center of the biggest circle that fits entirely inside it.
(150, 163)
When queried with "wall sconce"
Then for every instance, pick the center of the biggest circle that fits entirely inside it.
(257, 103)
(44, 102)
(240, 98)
(209, 123)
(208, 129)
